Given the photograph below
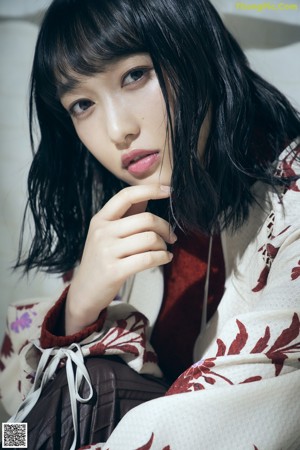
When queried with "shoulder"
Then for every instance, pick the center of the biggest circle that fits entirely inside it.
(273, 213)
(272, 231)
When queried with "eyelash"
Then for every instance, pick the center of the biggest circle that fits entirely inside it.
(144, 71)
(89, 103)
(77, 103)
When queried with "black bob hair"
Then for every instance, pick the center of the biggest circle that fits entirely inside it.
(193, 53)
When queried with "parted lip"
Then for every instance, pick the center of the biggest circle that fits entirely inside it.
(128, 158)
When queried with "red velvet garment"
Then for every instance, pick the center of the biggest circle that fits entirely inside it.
(178, 323)
(52, 333)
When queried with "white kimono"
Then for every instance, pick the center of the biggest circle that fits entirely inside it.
(243, 391)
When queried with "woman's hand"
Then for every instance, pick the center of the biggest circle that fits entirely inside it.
(122, 240)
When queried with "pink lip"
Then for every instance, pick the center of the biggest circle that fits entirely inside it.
(146, 159)
(129, 157)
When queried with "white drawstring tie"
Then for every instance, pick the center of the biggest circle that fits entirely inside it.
(72, 354)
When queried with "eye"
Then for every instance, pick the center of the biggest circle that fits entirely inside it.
(135, 75)
(80, 107)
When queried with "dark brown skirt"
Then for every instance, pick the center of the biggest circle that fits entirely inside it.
(117, 389)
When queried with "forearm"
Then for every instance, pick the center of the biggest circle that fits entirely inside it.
(78, 315)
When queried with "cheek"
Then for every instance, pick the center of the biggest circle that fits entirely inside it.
(94, 145)
(83, 134)
(151, 107)
(158, 110)
(91, 137)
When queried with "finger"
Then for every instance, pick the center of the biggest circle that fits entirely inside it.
(120, 203)
(139, 243)
(142, 261)
(140, 223)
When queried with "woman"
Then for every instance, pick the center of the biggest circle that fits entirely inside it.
(132, 98)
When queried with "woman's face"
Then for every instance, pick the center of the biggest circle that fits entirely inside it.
(120, 116)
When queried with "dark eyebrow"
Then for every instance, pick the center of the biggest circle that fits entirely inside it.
(67, 86)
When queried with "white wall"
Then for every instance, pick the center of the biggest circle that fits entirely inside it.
(271, 41)
(17, 40)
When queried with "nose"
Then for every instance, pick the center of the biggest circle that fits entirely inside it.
(123, 125)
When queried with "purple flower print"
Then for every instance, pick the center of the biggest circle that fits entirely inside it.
(21, 323)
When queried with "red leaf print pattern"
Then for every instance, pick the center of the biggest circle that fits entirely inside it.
(278, 353)
(7, 347)
(251, 379)
(286, 170)
(262, 343)
(150, 357)
(190, 379)
(240, 341)
(262, 279)
(209, 380)
(21, 307)
(127, 336)
(269, 252)
(221, 348)
(296, 272)
(31, 377)
(186, 381)
(237, 344)
(148, 445)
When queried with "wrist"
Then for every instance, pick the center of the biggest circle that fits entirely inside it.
(53, 334)
(78, 312)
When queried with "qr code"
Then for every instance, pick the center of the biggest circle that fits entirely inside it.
(14, 435)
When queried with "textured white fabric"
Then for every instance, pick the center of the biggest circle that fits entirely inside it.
(263, 415)
(242, 392)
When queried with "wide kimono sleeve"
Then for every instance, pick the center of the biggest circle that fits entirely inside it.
(34, 337)
(244, 391)
(23, 324)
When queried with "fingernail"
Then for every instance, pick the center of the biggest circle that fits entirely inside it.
(173, 238)
(166, 189)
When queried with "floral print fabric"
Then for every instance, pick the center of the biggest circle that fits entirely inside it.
(242, 392)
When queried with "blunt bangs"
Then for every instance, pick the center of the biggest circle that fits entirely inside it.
(78, 38)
